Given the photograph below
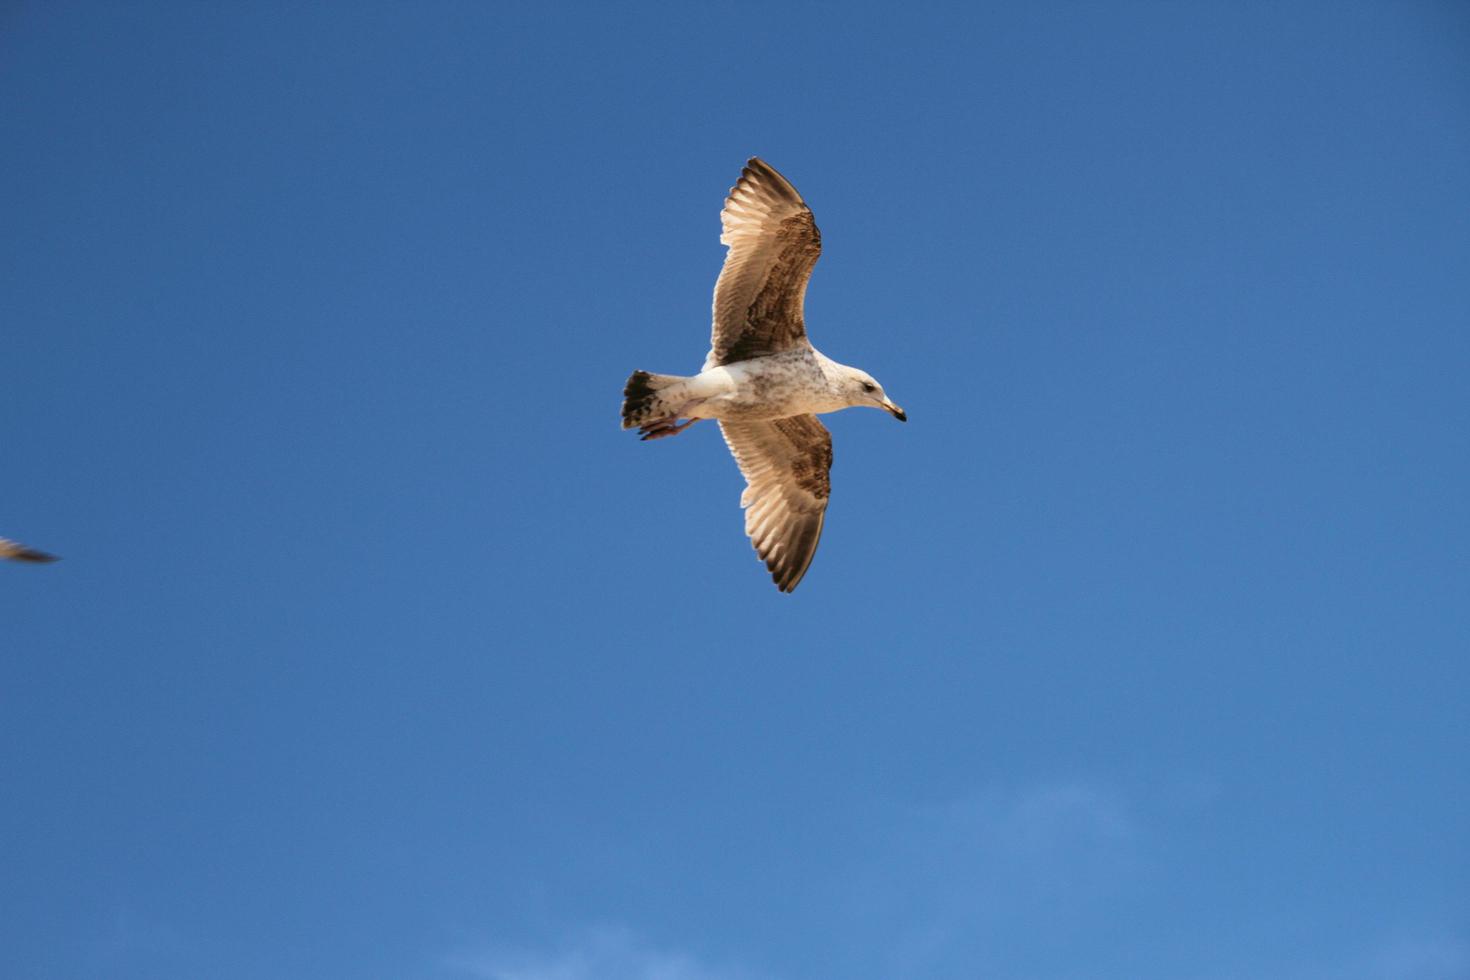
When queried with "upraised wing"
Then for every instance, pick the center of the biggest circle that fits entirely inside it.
(787, 465)
(774, 243)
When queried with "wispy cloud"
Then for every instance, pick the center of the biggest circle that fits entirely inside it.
(1427, 955)
(923, 886)
(605, 953)
(1006, 844)
(1420, 958)
(133, 942)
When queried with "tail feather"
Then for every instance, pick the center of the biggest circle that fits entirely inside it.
(641, 399)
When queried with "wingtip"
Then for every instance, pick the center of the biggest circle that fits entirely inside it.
(16, 551)
(787, 579)
(764, 175)
(32, 555)
(757, 167)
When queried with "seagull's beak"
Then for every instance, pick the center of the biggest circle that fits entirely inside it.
(895, 411)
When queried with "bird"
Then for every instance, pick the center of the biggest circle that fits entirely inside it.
(763, 380)
(16, 551)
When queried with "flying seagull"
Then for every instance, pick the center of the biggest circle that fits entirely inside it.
(19, 552)
(763, 379)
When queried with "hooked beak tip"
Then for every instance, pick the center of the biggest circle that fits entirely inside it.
(897, 412)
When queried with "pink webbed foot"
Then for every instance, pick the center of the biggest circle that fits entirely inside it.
(661, 428)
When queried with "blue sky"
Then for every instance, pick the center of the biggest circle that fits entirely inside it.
(379, 651)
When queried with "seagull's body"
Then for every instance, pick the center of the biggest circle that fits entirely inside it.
(763, 380)
(777, 386)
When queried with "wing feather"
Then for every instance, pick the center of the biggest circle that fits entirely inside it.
(774, 243)
(16, 551)
(787, 465)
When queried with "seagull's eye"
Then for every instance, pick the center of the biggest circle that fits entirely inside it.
(869, 389)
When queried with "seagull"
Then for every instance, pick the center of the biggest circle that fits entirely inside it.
(763, 380)
(16, 551)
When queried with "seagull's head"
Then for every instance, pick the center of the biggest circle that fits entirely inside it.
(863, 389)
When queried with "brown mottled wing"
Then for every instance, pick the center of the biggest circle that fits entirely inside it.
(787, 465)
(19, 552)
(774, 243)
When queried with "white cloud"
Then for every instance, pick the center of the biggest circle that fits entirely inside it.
(963, 879)
(1421, 956)
(1048, 817)
(922, 886)
(1046, 837)
(596, 954)
(1422, 959)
